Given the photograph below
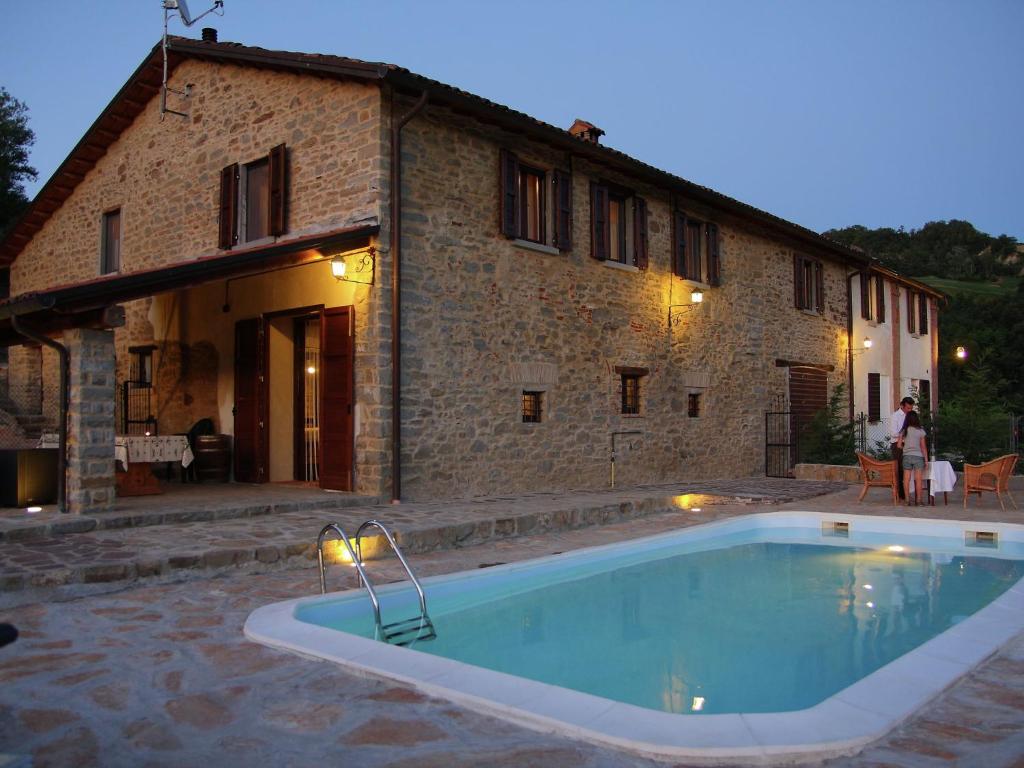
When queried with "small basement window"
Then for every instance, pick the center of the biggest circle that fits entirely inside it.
(693, 405)
(533, 404)
(630, 393)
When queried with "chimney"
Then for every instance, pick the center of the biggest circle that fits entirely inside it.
(209, 35)
(586, 131)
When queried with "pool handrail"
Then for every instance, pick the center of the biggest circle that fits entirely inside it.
(355, 561)
(401, 558)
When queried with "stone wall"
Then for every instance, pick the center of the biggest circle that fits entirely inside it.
(482, 316)
(90, 475)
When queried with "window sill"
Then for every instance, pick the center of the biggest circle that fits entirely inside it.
(620, 265)
(811, 312)
(694, 283)
(529, 245)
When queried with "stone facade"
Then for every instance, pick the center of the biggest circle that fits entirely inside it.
(485, 318)
(479, 309)
(90, 457)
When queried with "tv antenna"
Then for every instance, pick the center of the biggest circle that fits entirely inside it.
(181, 7)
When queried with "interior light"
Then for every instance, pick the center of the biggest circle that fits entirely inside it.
(698, 703)
(867, 342)
(33, 510)
(697, 296)
(311, 370)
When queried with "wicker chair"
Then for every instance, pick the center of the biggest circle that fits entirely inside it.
(992, 476)
(878, 474)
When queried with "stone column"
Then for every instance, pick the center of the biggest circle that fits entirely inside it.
(90, 484)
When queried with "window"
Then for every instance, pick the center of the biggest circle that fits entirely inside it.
(808, 283)
(872, 298)
(922, 307)
(252, 199)
(917, 313)
(618, 225)
(693, 405)
(533, 403)
(874, 397)
(141, 365)
(695, 250)
(110, 258)
(5, 292)
(526, 210)
(630, 394)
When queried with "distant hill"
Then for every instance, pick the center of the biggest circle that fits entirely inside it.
(996, 287)
(952, 249)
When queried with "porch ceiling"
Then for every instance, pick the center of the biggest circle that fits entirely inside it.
(81, 305)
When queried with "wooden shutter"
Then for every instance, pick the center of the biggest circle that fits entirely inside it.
(640, 232)
(874, 397)
(228, 207)
(922, 305)
(562, 182)
(714, 260)
(865, 296)
(599, 231)
(911, 317)
(679, 243)
(819, 281)
(880, 298)
(509, 185)
(278, 162)
(924, 396)
(336, 398)
(798, 281)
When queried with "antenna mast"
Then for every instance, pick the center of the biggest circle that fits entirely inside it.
(181, 6)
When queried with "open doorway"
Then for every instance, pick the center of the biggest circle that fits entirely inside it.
(294, 398)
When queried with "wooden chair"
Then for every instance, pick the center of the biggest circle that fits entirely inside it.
(878, 474)
(993, 476)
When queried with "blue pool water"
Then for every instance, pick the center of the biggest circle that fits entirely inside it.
(731, 624)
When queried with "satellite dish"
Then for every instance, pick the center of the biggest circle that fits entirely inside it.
(181, 6)
(186, 17)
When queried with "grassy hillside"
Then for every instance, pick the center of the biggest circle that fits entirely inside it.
(1000, 286)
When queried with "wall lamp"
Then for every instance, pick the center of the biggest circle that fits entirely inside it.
(867, 344)
(355, 266)
(696, 298)
(961, 353)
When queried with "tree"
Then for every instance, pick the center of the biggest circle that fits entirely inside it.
(15, 139)
(828, 437)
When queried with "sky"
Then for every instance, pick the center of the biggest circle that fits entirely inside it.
(885, 113)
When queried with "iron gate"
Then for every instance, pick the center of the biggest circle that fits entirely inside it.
(780, 444)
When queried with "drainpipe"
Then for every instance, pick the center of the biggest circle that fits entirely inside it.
(849, 338)
(65, 386)
(396, 296)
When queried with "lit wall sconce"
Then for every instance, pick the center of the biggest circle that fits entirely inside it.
(865, 346)
(696, 299)
(961, 353)
(354, 266)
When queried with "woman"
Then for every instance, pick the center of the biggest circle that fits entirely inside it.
(915, 456)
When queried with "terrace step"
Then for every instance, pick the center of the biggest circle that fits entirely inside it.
(199, 547)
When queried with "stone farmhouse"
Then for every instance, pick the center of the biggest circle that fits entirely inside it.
(520, 303)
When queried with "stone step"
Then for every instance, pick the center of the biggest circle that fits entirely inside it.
(199, 549)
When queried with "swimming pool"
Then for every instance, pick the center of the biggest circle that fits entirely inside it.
(772, 636)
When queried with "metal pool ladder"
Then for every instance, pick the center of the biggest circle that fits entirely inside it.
(403, 632)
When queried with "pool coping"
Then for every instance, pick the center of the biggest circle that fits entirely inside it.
(840, 725)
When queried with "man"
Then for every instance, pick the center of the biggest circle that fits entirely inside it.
(895, 427)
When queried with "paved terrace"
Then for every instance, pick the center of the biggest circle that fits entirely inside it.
(157, 672)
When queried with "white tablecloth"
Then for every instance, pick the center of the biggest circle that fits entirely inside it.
(941, 475)
(152, 449)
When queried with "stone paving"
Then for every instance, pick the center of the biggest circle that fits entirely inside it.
(159, 674)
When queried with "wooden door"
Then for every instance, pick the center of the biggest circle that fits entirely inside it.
(808, 394)
(251, 399)
(337, 365)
